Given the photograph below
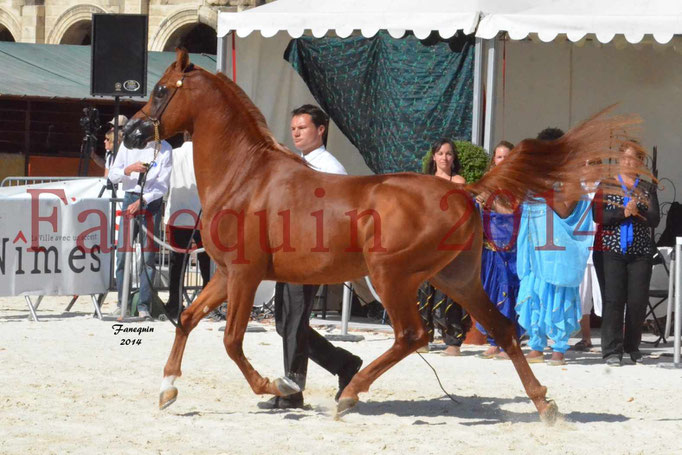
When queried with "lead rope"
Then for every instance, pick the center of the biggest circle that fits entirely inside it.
(437, 378)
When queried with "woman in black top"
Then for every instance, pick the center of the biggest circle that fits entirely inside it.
(623, 255)
(436, 308)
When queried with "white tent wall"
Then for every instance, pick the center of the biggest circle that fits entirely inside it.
(560, 84)
(274, 86)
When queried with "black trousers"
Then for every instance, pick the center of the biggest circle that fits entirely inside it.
(293, 305)
(624, 281)
(439, 311)
(179, 238)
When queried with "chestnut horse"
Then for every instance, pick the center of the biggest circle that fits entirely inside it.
(268, 216)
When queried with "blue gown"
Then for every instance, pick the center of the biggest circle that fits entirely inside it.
(548, 303)
(498, 265)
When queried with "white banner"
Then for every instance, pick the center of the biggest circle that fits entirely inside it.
(54, 238)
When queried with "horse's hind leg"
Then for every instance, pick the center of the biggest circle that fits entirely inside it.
(210, 297)
(240, 303)
(397, 294)
(475, 300)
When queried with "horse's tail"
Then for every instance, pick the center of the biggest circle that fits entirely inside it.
(534, 166)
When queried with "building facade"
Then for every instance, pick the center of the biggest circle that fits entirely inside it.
(192, 23)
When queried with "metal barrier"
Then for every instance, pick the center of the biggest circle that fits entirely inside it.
(19, 181)
(192, 277)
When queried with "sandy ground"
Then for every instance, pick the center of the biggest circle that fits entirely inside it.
(68, 386)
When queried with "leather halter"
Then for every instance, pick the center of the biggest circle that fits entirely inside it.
(156, 120)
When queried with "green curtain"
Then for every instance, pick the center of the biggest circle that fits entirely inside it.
(391, 97)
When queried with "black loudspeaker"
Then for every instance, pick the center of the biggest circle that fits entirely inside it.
(119, 55)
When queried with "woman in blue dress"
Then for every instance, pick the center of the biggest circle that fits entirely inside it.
(498, 260)
(552, 250)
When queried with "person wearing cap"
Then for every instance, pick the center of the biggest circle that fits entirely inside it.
(109, 141)
(109, 144)
(122, 120)
(129, 168)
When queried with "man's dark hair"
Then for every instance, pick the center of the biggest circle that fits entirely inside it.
(550, 134)
(318, 116)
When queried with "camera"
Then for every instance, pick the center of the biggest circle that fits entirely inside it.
(90, 120)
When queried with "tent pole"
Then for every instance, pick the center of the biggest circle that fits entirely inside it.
(222, 57)
(491, 89)
(477, 108)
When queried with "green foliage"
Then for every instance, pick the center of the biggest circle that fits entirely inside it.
(472, 158)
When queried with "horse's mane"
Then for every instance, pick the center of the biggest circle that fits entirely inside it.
(256, 116)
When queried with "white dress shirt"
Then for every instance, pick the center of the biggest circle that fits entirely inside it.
(321, 160)
(183, 193)
(158, 175)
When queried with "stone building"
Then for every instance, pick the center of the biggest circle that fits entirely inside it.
(171, 22)
(42, 134)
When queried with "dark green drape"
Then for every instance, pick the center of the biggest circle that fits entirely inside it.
(391, 97)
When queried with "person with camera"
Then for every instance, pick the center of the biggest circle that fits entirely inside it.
(145, 177)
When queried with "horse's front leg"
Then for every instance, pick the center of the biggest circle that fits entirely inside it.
(240, 302)
(210, 297)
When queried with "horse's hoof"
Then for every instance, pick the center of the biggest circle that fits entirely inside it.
(168, 397)
(286, 386)
(345, 404)
(550, 413)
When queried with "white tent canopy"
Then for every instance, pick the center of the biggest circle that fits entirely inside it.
(576, 18)
(344, 16)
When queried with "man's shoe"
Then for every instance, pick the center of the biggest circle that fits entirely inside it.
(145, 315)
(636, 357)
(346, 374)
(614, 360)
(294, 401)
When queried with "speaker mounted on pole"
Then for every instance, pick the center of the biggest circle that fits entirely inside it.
(119, 55)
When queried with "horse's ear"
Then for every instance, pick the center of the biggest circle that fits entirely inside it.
(181, 59)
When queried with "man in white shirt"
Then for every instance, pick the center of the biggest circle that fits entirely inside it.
(294, 302)
(128, 168)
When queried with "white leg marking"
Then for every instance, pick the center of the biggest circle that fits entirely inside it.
(167, 383)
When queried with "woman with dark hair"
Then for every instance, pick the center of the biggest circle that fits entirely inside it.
(436, 308)
(498, 260)
(444, 162)
(623, 255)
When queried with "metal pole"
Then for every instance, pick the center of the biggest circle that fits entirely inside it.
(96, 305)
(112, 239)
(345, 308)
(221, 57)
(671, 295)
(491, 89)
(126, 269)
(678, 304)
(477, 108)
(30, 308)
(117, 102)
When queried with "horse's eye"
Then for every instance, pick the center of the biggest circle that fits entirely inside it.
(161, 91)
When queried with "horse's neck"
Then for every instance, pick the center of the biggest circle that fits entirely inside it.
(223, 156)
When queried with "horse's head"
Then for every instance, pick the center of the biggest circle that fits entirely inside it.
(167, 111)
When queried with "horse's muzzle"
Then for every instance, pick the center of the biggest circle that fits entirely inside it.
(137, 132)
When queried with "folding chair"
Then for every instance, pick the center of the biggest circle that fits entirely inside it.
(661, 295)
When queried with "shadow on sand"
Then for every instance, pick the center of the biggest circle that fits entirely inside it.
(476, 409)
